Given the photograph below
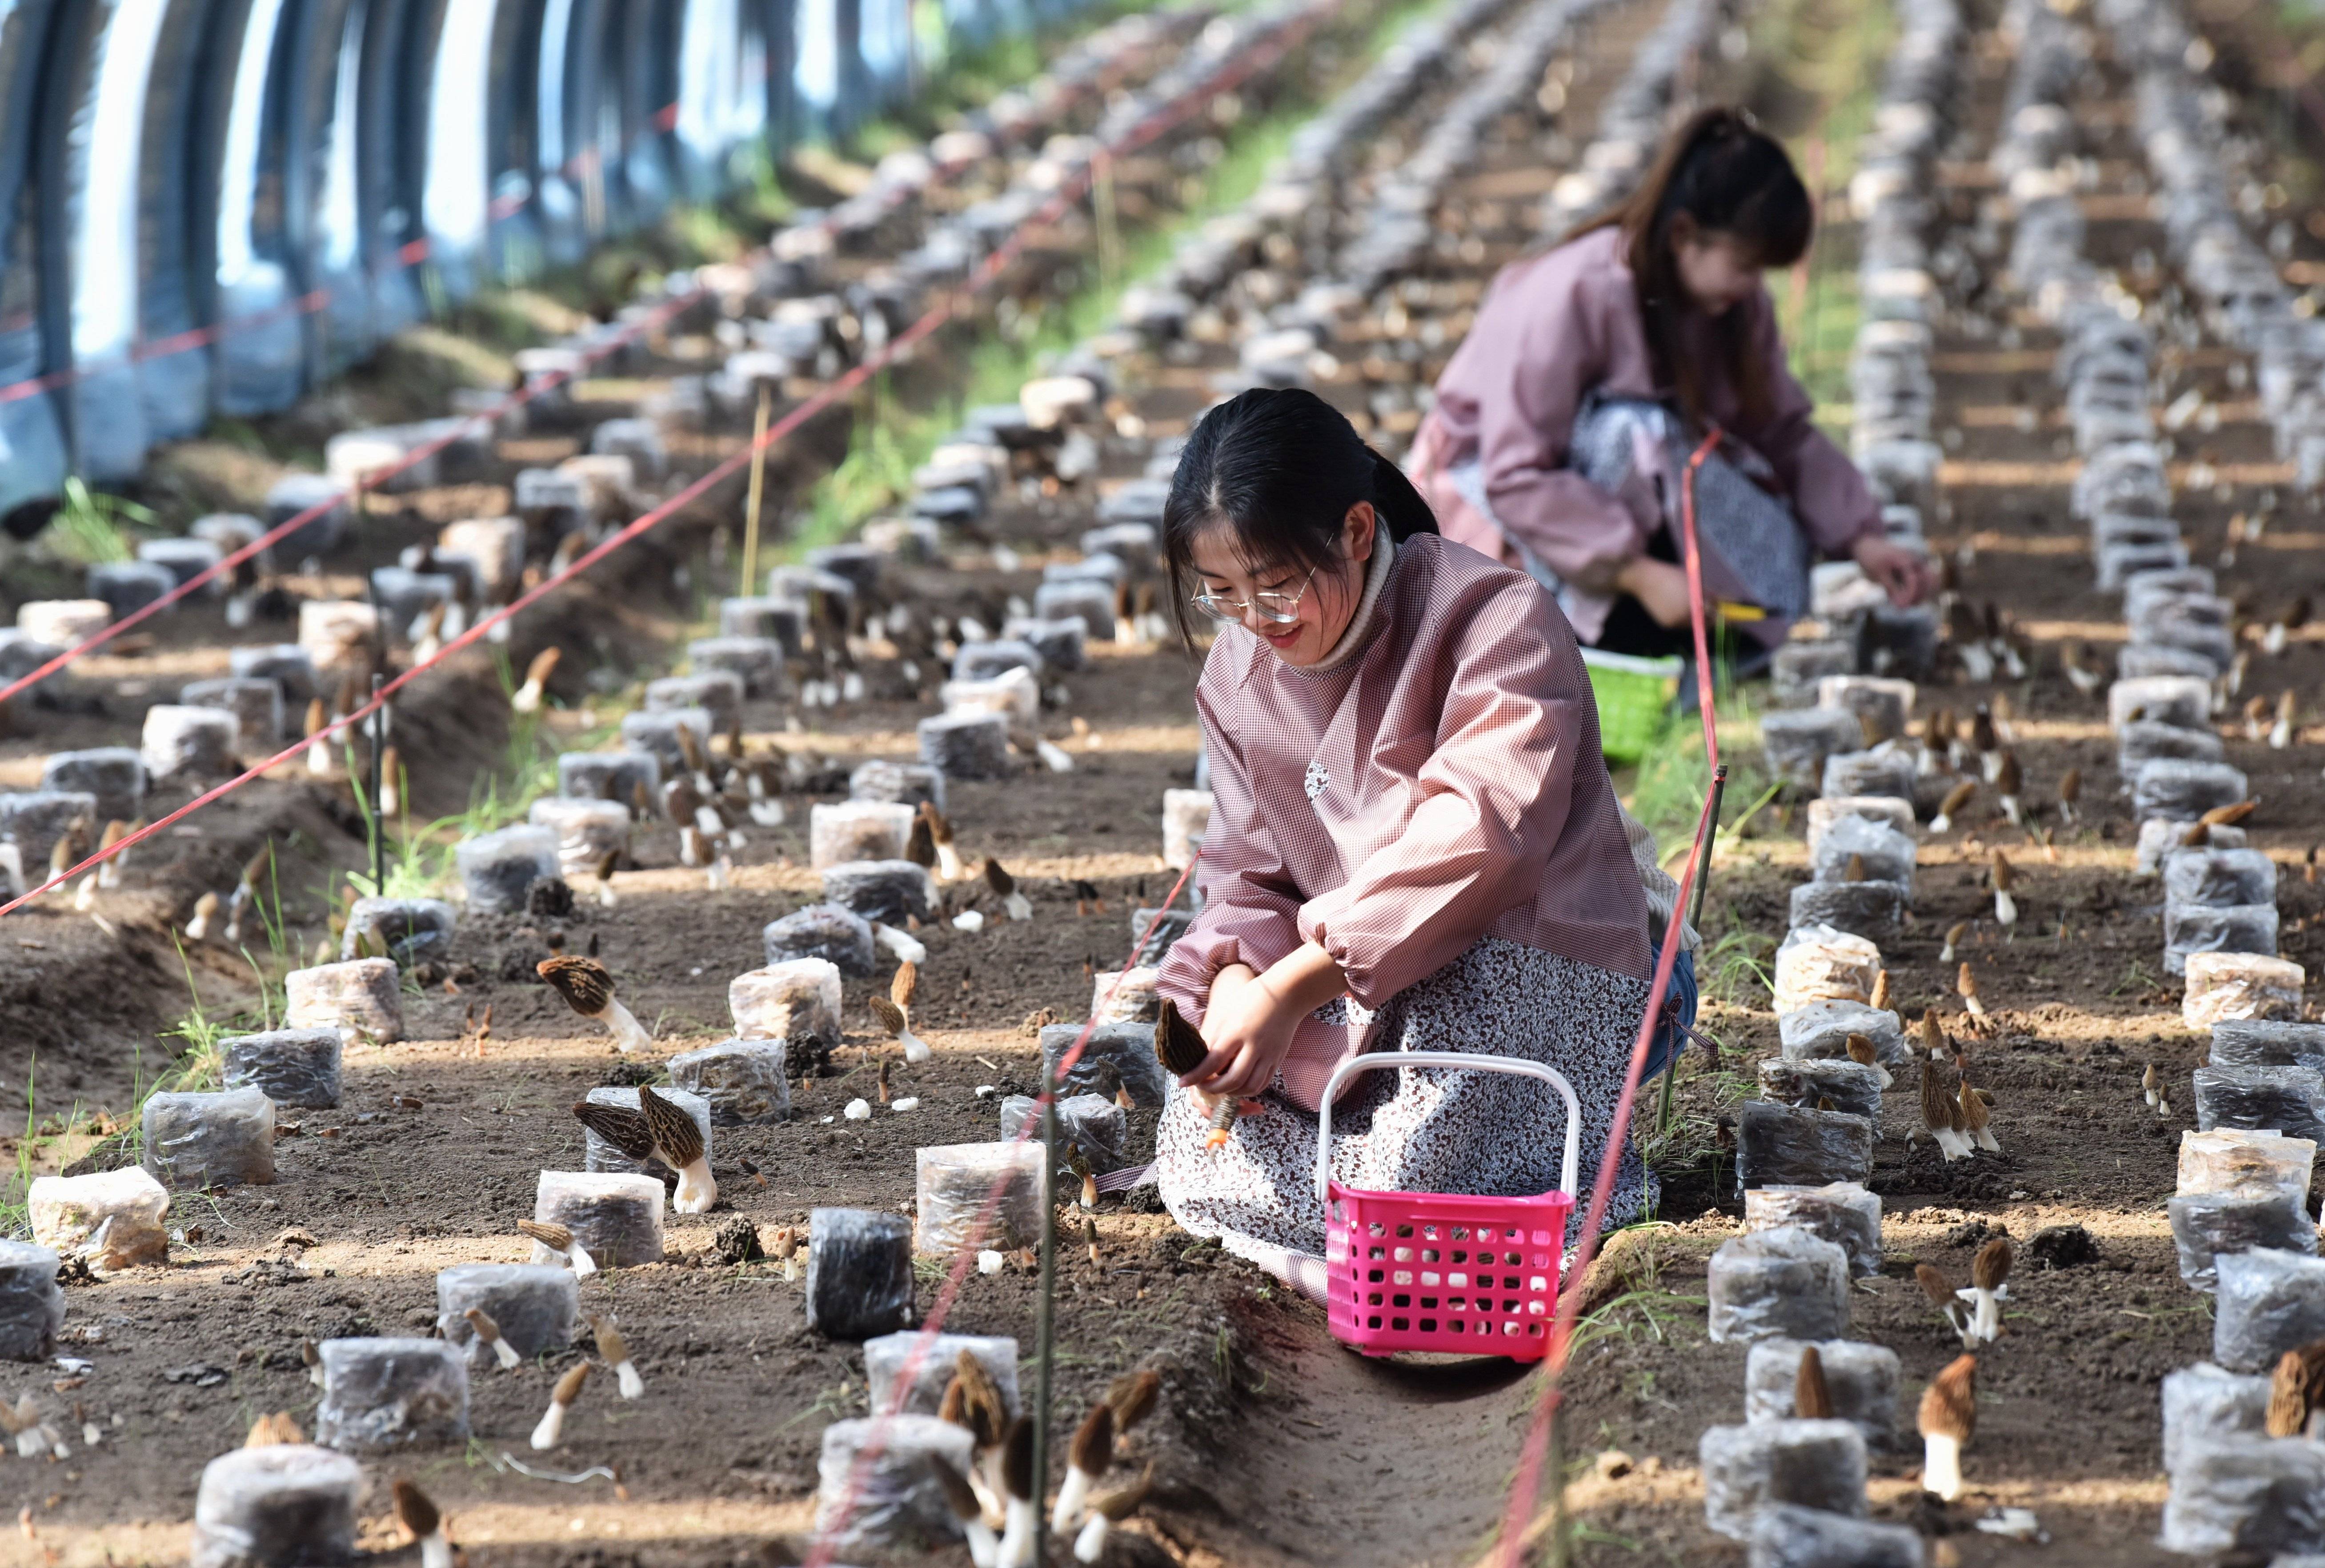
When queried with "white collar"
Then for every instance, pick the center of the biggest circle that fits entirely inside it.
(1360, 624)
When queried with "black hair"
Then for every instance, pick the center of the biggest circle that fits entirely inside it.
(1729, 178)
(1279, 468)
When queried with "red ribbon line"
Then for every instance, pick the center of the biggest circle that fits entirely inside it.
(1527, 1484)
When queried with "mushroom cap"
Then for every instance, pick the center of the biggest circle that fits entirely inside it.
(1949, 1404)
(676, 1134)
(415, 1511)
(583, 983)
(1178, 1044)
(624, 1129)
(1133, 1396)
(1811, 1398)
(997, 877)
(1991, 1266)
(905, 986)
(549, 1234)
(891, 1016)
(1093, 1446)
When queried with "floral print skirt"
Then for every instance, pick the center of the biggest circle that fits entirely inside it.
(1428, 1129)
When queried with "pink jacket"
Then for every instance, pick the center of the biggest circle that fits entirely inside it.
(1438, 779)
(1565, 323)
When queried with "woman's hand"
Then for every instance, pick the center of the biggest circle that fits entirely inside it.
(1249, 1020)
(1905, 573)
(1658, 586)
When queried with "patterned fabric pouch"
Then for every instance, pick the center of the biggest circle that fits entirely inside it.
(1743, 522)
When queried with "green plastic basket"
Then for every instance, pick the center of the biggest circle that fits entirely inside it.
(1632, 694)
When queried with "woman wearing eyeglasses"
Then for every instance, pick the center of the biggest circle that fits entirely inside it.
(1414, 843)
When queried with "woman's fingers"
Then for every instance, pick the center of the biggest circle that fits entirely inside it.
(1221, 1058)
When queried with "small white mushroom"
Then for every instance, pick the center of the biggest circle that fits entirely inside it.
(489, 1331)
(536, 676)
(616, 1351)
(551, 1429)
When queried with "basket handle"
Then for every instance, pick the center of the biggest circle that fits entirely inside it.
(1370, 1061)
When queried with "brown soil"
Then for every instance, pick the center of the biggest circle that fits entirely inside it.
(1274, 1446)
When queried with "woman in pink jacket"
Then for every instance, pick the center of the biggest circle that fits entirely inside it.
(1413, 843)
(1593, 370)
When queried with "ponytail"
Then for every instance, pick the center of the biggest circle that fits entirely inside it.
(1399, 503)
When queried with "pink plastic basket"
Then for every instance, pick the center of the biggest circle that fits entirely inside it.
(1438, 1271)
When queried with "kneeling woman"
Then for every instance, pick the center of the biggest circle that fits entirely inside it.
(1413, 843)
(1561, 426)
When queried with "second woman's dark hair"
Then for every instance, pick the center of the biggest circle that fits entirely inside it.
(1279, 468)
(1729, 178)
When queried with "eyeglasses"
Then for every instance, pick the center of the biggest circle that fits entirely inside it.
(1275, 609)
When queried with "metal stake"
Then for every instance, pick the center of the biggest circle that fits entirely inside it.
(1710, 838)
(1045, 1319)
(758, 488)
(379, 824)
(1695, 918)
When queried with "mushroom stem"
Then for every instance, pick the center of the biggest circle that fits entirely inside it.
(1090, 1544)
(629, 1035)
(1941, 1465)
(2006, 909)
(1072, 1497)
(1016, 1549)
(435, 1551)
(560, 1399)
(633, 1385)
(1019, 905)
(698, 1189)
(916, 1049)
(949, 865)
(901, 947)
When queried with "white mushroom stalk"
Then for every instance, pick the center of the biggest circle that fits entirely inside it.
(419, 1514)
(1054, 757)
(1965, 986)
(1086, 1463)
(1023, 1512)
(551, 1429)
(245, 893)
(558, 1242)
(12, 867)
(22, 1421)
(198, 929)
(486, 1330)
(1949, 1413)
(900, 945)
(313, 1359)
(719, 875)
(1004, 888)
(588, 989)
(1988, 1272)
(968, 1511)
(1956, 799)
(527, 699)
(2280, 734)
(2085, 679)
(85, 891)
(319, 745)
(766, 808)
(1954, 934)
(2005, 907)
(1107, 1511)
(391, 786)
(897, 1028)
(616, 1351)
(948, 866)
